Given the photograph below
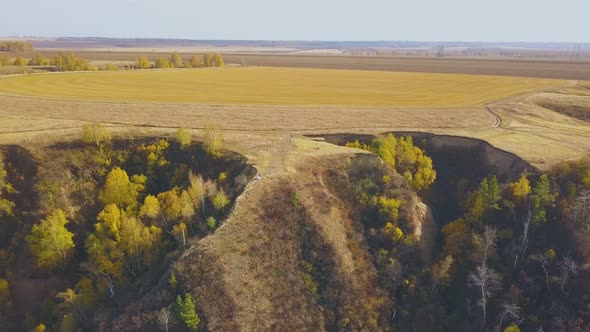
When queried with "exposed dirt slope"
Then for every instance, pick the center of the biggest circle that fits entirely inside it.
(285, 262)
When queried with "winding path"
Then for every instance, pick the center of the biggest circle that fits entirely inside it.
(497, 120)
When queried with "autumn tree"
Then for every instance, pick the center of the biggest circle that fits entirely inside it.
(39, 60)
(4, 60)
(162, 63)
(170, 204)
(95, 133)
(102, 246)
(217, 61)
(392, 232)
(121, 243)
(213, 142)
(441, 271)
(69, 62)
(521, 188)
(194, 62)
(176, 60)
(389, 207)
(207, 60)
(143, 62)
(16, 46)
(187, 312)
(120, 190)
(457, 238)
(407, 159)
(150, 208)
(19, 61)
(183, 137)
(50, 241)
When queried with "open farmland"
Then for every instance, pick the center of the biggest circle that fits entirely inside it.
(277, 86)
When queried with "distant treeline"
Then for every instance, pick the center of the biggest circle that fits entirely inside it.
(176, 61)
(66, 61)
(15, 46)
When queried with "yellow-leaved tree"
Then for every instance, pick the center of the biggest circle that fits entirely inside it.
(143, 62)
(50, 241)
(120, 190)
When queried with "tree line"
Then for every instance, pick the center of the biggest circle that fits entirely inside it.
(15, 46)
(67, 61)
(176, 61)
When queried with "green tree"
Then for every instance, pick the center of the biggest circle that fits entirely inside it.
(20, 61)
(119, 190)
(212, 223)
(162, 63)
(172, 280)
(186, 310)
(183, 137)
(50, 241)
(95, 133)
(142, 62)
(542, 197)
(176, 60)
(220, 200)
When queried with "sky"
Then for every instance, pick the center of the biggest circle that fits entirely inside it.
(340, 20)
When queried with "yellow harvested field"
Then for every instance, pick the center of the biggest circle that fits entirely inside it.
(277, 86)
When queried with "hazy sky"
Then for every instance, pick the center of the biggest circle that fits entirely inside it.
(424, 20)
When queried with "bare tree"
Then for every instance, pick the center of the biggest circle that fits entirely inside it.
(485, 243)
(526, 222)
(544, 262)
(165, 318)
(582, 210)
(568, 268)
(487, 281)
(511, 311)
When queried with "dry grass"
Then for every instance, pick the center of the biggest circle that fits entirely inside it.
(277, 87)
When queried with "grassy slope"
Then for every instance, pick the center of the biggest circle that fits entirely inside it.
(277, 86)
